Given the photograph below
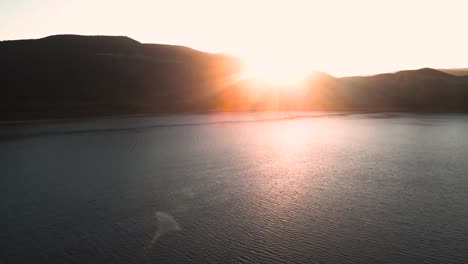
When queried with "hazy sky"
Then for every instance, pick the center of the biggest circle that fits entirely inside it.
(340, 37)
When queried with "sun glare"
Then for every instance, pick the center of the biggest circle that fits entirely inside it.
(278, 72)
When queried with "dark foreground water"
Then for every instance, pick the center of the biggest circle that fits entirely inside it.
(362, 188)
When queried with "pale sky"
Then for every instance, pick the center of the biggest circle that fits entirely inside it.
(339, 37)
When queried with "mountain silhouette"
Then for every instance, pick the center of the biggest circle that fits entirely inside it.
(72, 76)
(456, 72)
(415, 90)
(78, 76)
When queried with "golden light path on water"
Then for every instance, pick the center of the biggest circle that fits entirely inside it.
(288, 159)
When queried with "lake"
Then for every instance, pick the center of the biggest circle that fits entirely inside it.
(236, 188)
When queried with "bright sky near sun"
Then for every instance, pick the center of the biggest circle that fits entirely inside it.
(339, 37)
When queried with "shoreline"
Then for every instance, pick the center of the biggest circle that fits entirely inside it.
(127, 116)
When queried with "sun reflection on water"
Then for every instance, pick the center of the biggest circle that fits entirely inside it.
(287, 159)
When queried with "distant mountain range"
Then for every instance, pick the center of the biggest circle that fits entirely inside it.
(456, 72)
(80, 76)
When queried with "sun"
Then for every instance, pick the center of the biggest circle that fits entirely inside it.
(275, 71)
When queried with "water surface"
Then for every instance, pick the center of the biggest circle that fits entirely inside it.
(236, 188)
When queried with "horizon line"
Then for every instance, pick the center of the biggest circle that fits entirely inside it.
(238, 57)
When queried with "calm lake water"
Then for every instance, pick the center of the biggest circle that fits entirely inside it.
(236, 188)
